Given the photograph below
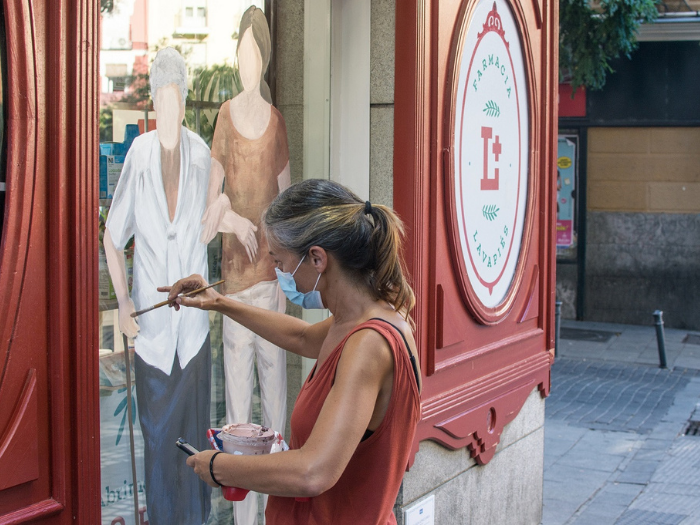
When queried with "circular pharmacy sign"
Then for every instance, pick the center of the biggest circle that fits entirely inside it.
(490, 151)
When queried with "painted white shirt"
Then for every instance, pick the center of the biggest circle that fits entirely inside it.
(163, 251)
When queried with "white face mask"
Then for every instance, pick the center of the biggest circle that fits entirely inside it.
(310, 300)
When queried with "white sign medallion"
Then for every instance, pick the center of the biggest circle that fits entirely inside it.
(491, 150)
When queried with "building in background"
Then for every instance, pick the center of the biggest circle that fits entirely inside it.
(638, 168)
(203, 31)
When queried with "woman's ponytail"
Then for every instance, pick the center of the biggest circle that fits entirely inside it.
(387, 273)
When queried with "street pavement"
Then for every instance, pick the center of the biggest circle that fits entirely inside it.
(616, 447)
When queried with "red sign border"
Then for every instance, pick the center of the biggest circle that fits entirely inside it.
(483, 314)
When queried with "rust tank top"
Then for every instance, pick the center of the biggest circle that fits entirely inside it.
(367, 489)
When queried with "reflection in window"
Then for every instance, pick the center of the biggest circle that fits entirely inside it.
(3, 139)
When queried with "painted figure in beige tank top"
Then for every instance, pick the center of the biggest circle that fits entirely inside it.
(250, 158)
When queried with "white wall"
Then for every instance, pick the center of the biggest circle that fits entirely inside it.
(350, 94)
(336, 100)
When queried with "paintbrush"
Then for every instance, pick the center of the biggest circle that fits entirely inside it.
(169, 301)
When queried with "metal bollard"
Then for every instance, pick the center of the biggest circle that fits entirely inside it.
(661, 343)
(557, 323)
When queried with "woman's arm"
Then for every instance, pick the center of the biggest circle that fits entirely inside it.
(365, 371)
(292, 334)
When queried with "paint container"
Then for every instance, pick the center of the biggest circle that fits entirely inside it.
(234, 493)
(247, 439)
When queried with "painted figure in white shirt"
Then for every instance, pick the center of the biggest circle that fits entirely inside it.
(250, 157)
(159, 200)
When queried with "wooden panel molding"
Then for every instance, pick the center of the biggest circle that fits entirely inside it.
(49, 418)
(22, 374)
(532, 305)
(480, 363)
(480, 425)
(41, 510)
(20, 104)
(19, 446)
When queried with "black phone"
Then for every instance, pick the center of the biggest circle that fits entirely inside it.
(186, 447)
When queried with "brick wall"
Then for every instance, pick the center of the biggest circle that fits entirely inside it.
(653, 170)
(643, 225)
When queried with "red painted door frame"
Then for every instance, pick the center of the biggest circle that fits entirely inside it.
(480, 366)
(49, 411)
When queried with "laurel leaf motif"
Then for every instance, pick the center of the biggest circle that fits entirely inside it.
(490, 212)
(492, 109)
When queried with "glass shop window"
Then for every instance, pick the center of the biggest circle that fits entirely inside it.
(150, 195)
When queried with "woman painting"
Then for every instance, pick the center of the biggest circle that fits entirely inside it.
(355, 417)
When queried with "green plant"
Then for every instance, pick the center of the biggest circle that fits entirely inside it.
(106, 124)
(139, 92)
(218, 83)
(123, 408)
(212, 86)
(106, 6)
(591, 35)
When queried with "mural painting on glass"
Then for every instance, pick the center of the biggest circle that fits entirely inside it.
(159, 200)
(250, 158)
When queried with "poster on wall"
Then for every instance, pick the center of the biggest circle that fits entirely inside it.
(566, 193)
(490, 151)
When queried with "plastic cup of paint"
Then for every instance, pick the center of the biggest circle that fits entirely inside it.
(246, 439)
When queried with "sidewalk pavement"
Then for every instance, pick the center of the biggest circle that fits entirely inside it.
(616, 448)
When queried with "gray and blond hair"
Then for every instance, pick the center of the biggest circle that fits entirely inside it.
(168, 68)
(365, 239)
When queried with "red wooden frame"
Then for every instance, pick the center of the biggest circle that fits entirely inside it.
(49, 419)
(480, 363)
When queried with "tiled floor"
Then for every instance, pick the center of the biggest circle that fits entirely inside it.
(615, 452)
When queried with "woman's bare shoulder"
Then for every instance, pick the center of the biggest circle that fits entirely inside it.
(391, 316)
(369, 348)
